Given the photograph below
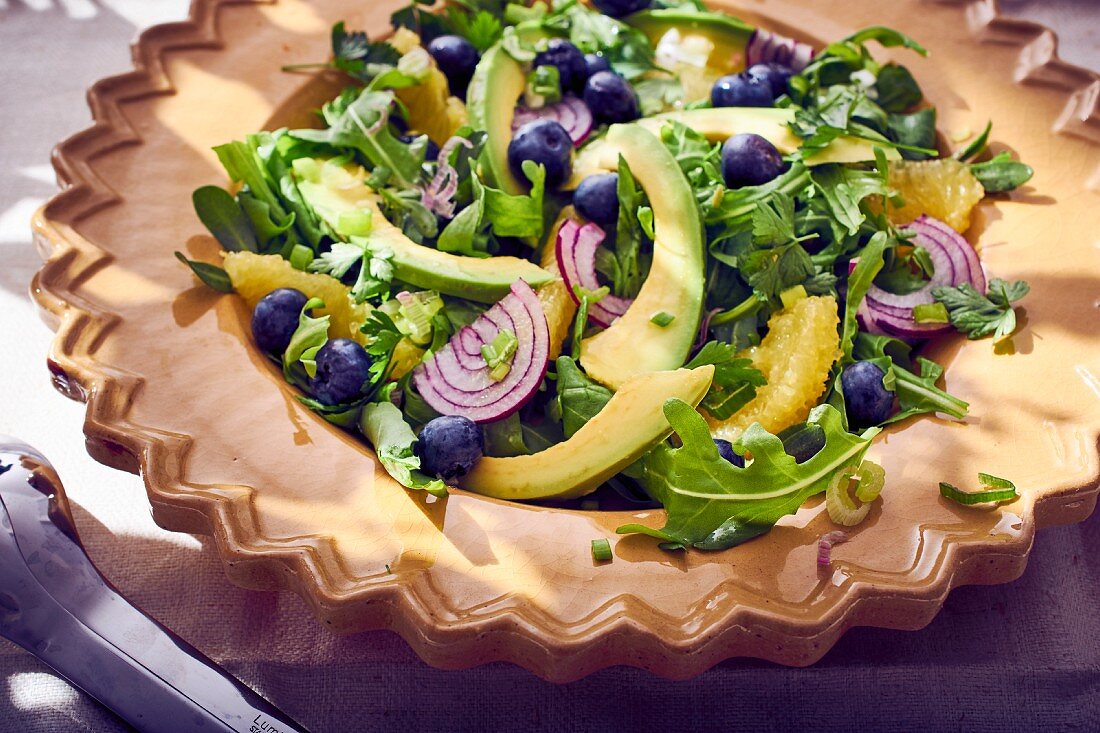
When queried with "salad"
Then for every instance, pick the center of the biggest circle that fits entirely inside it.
(634, 254)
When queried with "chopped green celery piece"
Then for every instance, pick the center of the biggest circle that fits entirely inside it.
(601, 550)
(354, 223)
(662, 319)
(849, 494)
(790, 296)
(306, 169)
(412, 313)
(995, 482)
(970, 498)
(301, 257)
(499, 353)
(930, 313)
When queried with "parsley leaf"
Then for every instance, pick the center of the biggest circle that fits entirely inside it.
(383, 335)
(375, 266)
(712, 504)
(735, 379)
(979, 315)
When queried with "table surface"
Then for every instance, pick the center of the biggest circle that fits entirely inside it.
(1003, 657)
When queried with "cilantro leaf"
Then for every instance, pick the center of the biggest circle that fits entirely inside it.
(394, 442)
(979, 315)
(735, 379)
(712, 504)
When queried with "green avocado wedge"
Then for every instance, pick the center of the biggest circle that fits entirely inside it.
(634, 344)
(495, 89)
(719, 123)
(627, 427)
(342, 190)
(729, 36)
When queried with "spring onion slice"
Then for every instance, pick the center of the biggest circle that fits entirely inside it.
(601, 550)
(998, 490)
(850, 492)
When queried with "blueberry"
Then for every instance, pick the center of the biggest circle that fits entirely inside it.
(276, 318)
(456, 58)
(569, 61)
(431, 150)
(620, 8)
(725, 449)
(749, 160)
(449, 446)
(776, 75)
(597, 198)
(343, 367)
(610, 97)
(545, 142)
(742, 90)
(867, 401)
(594, 62)
(399, 123)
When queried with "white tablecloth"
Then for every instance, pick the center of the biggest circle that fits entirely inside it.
(50, 51)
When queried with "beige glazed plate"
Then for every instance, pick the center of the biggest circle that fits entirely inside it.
(176, 391)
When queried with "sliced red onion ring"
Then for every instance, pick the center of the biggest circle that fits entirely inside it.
(955, 262)
(456, 381)
(767, 47)
(438, 196)
(571, 112)
(576, 250)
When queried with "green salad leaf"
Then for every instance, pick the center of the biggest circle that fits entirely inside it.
(979, 315)
(581, 398)
(712, 504)
(917, 392)
(212, 276)
(1001, 173)
(735, 379)
(222, 215)
(628, 235)
(504, 438)
(481, 27)
(394, 442)
(308, 338)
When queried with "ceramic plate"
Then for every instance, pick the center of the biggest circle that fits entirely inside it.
(176, 391)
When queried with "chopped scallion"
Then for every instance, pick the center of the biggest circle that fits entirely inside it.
(930, 313)
(662, 319)
(1004, 491)
(499, 352)
(601, 550)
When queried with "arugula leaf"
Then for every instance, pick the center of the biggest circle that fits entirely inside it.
(359, 125)
(917, 393)
(404, 207)
(222, 215)
(1002, 173)
(691, 149)
(887, 37)
(844, 189)
(627, 49)
(308, 338)
(859, 283)
(712, 504)
(395, 444)
(897, 89)
(735, 379)
(581, 399)
(212, 276)
(658, 94)
(628, 237)
(979, 315)
(502, 213)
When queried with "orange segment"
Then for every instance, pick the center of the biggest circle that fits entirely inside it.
(944, 189)
(796, 355)
(432, 109)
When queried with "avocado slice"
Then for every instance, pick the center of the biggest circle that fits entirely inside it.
(495, 89)
(719, 123)
(626, 428)
(633, 344)
(342, 189)
(730, 36)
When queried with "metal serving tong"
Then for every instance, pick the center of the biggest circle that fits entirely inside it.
(56, 605)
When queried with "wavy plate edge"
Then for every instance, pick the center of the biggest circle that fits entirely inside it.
(626, 632)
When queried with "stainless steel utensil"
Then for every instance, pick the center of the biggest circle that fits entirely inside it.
(56, 605)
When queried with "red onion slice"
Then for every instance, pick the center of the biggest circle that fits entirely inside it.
(571, 113)
(576, 250)
(767, 47)
(955, 262)
(456, 381)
